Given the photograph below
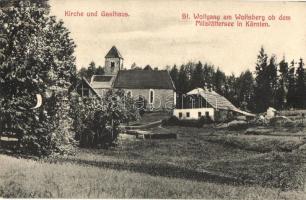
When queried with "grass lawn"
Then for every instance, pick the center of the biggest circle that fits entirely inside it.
(191, 166)
(26, 178)
(259, 143)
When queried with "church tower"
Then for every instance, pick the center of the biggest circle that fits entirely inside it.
(113, 62)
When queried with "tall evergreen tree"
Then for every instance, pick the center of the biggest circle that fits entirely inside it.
(197, 79)
(91, 70)
(262, 88)
(219, 82)
(183, 80)
(208, 75)
(291, 95)
(272, 80)
(245, 90)
(300, 85)
(282, 84)
(230, 89)
(182, 85)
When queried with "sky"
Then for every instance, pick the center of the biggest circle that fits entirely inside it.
(154, 33)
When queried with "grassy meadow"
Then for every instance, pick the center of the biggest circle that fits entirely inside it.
(26, 178)
(202, 163)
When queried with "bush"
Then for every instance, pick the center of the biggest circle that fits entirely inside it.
(237, 125)
(97, 121)
(280, 121)
(172, 121)
(205, 120)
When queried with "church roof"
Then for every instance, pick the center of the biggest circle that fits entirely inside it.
(144, 79)
(113, 53)
(102, 81)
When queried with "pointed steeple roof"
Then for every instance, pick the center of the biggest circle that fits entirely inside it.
(113, 53)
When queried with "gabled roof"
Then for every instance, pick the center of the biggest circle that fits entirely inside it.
(113, 53)
(102, 81)
(217, 101)
(86, 83)
(144, 79)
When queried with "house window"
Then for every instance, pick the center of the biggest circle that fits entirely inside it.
(187, 114)
(199, 114)
(180, 115)
(151, 96)
(207, 114)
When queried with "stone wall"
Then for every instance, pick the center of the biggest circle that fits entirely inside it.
(118, 65)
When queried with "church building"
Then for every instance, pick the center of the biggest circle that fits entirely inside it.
(154, 88)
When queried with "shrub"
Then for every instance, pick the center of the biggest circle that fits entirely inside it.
(98, 120)
(205, 120)
(237, 125)
(172, 121)
(280, 121)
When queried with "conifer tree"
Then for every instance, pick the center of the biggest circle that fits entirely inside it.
(262, 88)
(282, 84)
(219, 82)
(197, 79)
(208, 75)
(291, 95)
(183, 80)
(272, 81)
(245, 90)
(300, 85)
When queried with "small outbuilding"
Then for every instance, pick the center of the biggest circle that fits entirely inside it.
(202, 102)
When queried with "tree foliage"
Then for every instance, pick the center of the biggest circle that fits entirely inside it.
(38, 59)
(300, 85)
(90, 71)
(273, 84)
(4, 4)
(97, 121)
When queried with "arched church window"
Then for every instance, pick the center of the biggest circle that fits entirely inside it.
(112, 64)
(151, 96)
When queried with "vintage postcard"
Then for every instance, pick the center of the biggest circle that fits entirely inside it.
(175, 99)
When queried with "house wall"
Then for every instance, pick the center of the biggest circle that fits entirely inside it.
(163, 98)
(194, 113)
(118, 65)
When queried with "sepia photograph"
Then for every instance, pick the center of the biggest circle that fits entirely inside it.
(165, 99)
